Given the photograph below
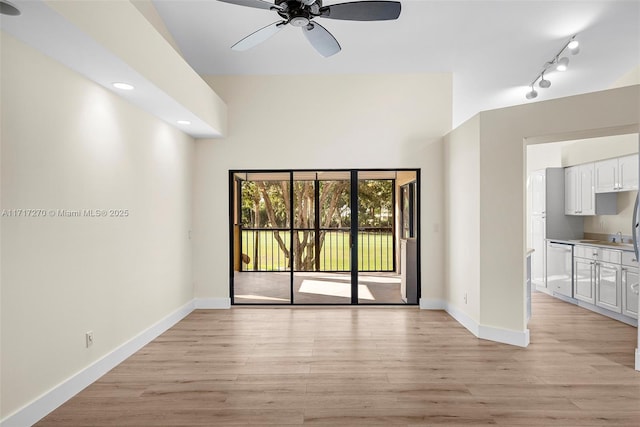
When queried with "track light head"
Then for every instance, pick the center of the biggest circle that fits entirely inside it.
(573, 46)
(562, 64)
(531, 94)
(544, 83)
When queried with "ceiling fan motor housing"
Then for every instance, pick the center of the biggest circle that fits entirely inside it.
(299, 12)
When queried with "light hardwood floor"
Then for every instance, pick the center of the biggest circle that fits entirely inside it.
(368, 365)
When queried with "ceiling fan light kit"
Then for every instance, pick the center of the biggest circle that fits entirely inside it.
(301, 13)
(557, 63)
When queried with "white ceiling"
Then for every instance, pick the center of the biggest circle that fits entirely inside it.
(494, 49)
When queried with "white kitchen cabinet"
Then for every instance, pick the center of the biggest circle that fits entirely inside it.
(587, 195)
(629, 285)
(606, 175)
(619, 174)
(608, 289)
(584, 280)
(580, 196)
(628, 167)
(570, 190)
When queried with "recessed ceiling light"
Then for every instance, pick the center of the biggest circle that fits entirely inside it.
(184, 122)
(123, 86)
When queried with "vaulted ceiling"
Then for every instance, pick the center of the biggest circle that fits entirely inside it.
(494, 49)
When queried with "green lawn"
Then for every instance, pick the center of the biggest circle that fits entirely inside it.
(375, 251)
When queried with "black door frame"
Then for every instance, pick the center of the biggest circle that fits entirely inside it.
(353, 233)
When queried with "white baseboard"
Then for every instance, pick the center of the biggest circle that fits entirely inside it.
(212, 303)
(432, 304)
(47, 402)
(637, 359)
(505, 336)
(464, 319)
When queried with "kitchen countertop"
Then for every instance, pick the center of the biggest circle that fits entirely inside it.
(628, 247)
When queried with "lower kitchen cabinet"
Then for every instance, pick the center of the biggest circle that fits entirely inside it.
(584, 282)
(629, 285)
(608, 293)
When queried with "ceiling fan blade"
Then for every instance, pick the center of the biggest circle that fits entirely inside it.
(321, 39)
(363, 11)
(259, 4)
(259, 36)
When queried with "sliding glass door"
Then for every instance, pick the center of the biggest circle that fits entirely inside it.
(319, 237)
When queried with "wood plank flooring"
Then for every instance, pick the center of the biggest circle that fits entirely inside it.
(376, 366)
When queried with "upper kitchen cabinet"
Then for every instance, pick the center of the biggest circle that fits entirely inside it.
(620, 174)
(580, 195)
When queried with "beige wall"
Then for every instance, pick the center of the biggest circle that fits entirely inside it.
(339, 121)
(594, 149)
(502, 184)
(67, 143)
(542, 156)
(462, 218)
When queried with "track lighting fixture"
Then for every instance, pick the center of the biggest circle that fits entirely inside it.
(557, 63)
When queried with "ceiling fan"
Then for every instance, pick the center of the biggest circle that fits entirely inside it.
(300, 13)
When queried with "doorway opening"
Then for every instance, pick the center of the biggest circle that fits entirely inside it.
(324, 237)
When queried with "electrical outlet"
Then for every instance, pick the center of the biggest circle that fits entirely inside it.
(465, 297)
(89, 338)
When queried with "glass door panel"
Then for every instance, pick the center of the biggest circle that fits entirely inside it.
(321, 238)
(263, 239)
(378, 280)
